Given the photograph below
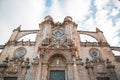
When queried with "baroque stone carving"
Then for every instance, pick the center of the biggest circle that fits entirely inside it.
(45, 42)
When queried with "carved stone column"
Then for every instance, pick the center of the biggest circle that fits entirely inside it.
(89, 68)
(79, 67)
(76, 75)
(3, 68)
(75, 70)
(25, 67)
(38, 75)
(44, 71)
(24, 71)
(70, 71)
(111, 71)
(37, 66)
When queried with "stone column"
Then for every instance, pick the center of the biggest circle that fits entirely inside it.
(70, 71)
(111, 70)
(36, 68)
(23, 73)
(44, 71)
(25, 66)
(38, 75)
(75, 72)
(89, 68)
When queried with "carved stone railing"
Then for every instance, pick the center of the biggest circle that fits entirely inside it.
(94, 44)
(115, 48)
(23, 43)
(117, 58)
(2, 46)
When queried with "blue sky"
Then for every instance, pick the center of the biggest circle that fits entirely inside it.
(88, 14)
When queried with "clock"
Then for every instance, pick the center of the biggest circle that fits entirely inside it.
(58, 32)
(20, 52)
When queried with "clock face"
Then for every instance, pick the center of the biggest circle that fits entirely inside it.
(20, 53)
(58, 32)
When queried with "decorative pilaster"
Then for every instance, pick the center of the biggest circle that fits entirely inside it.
(75, 70)
(37, 68)
(111, 71)
(3, 67)
(70, 71)
(25, 67)
(89, 68)
(44, 71)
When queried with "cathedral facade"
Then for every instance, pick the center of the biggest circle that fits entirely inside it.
(58, 54)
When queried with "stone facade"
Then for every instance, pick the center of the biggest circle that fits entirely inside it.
(58, 54)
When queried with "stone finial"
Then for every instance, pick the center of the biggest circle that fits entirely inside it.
(18, 28)
(48, 18)
(68, 18)
(98, 30)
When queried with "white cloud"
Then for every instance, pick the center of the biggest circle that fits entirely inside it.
(77, 9)
(114, 12)
(101, 4)
(29, 13)
(5, 32)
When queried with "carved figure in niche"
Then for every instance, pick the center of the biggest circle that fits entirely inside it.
(108, 62)
(26, 63)
(55, 43)
(36, 60)
(42, 53)
(97, 60)
(55, 40)
(70, 42)
(45, 42)
(12, 67)
(4, 65)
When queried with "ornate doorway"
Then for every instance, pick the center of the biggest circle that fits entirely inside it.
(57, 67)
(10, 78)
(57, 75)
(103, 78)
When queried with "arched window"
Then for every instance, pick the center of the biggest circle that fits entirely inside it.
(57, 60)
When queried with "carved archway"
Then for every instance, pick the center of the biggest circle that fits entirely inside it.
(57, 67)
(57, 62)
(48, 56)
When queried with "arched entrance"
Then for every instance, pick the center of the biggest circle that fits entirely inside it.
(57, 67)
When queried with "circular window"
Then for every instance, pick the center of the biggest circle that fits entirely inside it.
(94, 52)
(58, 32)
(20, 52)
